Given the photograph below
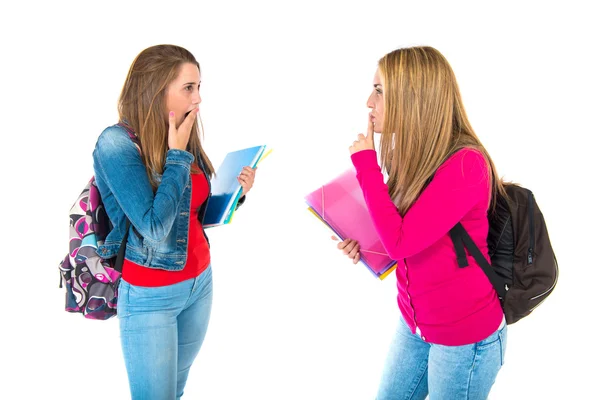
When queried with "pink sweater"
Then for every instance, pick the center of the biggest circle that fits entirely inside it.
(445, 304)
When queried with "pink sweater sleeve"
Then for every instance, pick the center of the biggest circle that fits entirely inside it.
(459, 184)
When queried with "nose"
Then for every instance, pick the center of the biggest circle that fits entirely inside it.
(370, 102)
(196, 99)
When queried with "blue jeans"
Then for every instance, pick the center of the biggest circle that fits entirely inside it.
(415, 368)
(162, 329)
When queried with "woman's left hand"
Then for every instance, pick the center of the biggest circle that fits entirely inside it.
(246, 179)
(364, 142)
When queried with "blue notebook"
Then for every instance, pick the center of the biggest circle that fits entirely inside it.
(226, 190)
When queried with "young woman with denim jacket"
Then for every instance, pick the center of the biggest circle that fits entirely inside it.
(160, 184)
(451, 338)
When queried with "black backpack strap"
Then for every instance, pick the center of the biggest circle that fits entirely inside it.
(121, 253)
(461, 239)
(459, 248)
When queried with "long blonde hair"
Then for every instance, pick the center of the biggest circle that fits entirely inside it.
(424, 122)
(142, 106)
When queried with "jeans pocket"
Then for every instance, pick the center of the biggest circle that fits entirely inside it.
(122, 298)
(489, 341)
(502, 339)
(492, 348)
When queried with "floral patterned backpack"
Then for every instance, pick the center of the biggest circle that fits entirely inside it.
(91, 281)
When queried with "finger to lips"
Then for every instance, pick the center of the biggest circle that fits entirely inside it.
(370, 128)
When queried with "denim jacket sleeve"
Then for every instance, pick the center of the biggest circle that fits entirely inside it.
(118, 161)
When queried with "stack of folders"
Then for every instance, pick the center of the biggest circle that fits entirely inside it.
(225, 188)
(341, 206)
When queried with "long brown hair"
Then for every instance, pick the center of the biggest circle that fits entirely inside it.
(142, 106)
(424, 122)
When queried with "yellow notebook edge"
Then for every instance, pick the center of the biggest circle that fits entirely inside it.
(386, 273)
(263, 156)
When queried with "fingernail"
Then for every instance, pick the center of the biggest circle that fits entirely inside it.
(171, 114)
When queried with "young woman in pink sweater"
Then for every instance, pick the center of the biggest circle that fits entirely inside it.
(451, 339)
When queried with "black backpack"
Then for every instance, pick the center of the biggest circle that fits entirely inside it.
(523, 267)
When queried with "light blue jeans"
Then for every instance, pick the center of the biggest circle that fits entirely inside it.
(162, 329)
(415, 368)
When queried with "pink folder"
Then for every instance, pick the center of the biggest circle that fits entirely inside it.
(341, 206)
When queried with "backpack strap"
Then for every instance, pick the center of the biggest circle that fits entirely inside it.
(121, 254)
(130, 131)
(461, 239)
(459, 248)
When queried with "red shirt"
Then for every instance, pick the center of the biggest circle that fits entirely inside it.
(446, 304)
(198, 254)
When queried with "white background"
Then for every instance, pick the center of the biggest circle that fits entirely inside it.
(292, 318)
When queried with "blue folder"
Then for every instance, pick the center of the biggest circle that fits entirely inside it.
(226, 190)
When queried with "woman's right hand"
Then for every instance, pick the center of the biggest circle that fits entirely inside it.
(180, 136)
(350, 248)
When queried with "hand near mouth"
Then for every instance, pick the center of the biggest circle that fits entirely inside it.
(364, 142)
(179, 136)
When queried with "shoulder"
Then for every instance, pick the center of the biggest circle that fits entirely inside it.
(114, 138)
(468, 155)
(113, 133)
(468, 163)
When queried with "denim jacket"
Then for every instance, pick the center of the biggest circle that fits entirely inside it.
(159, 220)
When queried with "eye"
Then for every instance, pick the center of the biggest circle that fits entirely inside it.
(379, 91)
(189, 88)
